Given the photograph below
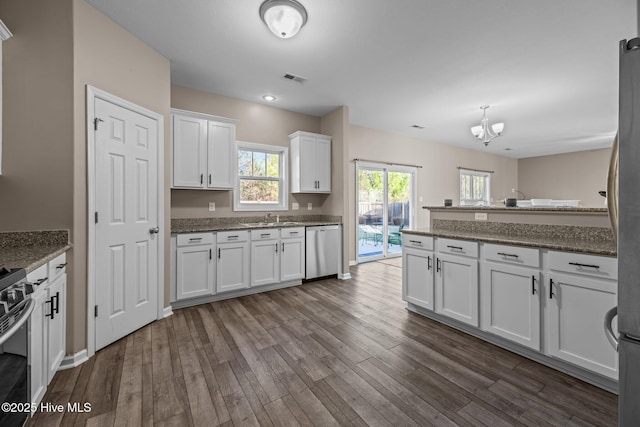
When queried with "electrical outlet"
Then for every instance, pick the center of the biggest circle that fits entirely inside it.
(420, 199)
(481, 216)
(309, 206)
(295, 206)
(212, 206)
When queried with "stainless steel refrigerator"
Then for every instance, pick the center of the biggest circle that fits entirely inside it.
(627, 225)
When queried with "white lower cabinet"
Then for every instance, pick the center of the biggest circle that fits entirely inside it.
(195, 267)
(292, 254)
(576, 306)
(265, 257)
(417, 271)
(510, 303)
(233, 261)
(47, 325)
(456, 281)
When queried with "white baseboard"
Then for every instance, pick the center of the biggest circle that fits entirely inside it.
(167, 312)
(352, 263)
(74, 360)
(344, 276)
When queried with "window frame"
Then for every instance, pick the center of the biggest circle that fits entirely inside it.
(283, 180)
(486, 201)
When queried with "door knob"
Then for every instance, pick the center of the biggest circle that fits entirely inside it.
(154, 230)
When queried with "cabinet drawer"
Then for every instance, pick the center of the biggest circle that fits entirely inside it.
(265, 234)
(417, 241)
(590, 265)
(57, 267)
(233, 236)
(458, 247)
(192, 239)
(512, 255)
(292, 232)
(39, 274)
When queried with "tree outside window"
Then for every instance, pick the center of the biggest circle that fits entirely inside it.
(261, 183)
(475, 188)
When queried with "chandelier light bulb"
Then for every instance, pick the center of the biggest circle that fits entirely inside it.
(483, 131)
(283, 17)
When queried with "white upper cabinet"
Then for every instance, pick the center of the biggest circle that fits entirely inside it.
(202, 151)
(310, 163)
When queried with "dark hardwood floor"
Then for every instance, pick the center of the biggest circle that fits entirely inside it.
(325, 353)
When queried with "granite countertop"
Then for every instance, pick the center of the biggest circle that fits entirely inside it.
(557, 209)
(194, 225)
(31, 249)
(568, 242)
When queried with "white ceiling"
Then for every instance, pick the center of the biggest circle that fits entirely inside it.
(548, 68)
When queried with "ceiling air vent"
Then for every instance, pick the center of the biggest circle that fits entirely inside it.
(417, 127)
(295, 78)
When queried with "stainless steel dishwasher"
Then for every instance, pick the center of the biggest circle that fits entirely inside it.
(324, 251)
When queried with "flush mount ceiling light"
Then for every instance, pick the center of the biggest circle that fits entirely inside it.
(283, 17)
(269, 98)
(485, 133)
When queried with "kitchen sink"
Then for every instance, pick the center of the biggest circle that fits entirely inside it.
(269, 224)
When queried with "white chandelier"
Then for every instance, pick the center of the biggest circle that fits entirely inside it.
(283, 17)
(485, 133)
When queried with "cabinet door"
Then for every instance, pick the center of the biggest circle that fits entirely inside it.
(265, 262)
(220, 162)
(575, 308)
(189, 152)
(417, 277)
(457, 288)
(38, 345)
(194, 271)
(56, 325)
(510, 305)
(308, 160)
(323, 165)
(292, 261)
(233, 267)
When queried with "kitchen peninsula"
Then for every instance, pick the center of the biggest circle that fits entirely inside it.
(536, 281)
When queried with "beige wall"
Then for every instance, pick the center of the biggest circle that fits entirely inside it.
(36, 187)
(569, 176)
(257, 123)
(437, 179)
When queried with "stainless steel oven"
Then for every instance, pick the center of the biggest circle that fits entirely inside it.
(15, 310)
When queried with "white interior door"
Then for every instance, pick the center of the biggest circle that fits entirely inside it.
(126, 239)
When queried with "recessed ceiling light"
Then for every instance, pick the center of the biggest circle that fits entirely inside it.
(269, 98)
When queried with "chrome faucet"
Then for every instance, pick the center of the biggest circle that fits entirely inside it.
(267, 217)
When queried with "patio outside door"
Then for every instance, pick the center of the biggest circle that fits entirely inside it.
(385, 199)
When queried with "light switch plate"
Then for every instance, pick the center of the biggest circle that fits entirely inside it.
(295, 206)
(309, 206)
(420, 199)
(212, 206)
(481, 216)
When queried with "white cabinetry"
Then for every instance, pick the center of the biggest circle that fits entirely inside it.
(233, 260)
(265, 259)
(581, 289)
(202, 151)
(510, 294)
(292, 254)
(457, 280)
(310, 163)
(47, 334)
(194, 265)
(417, 270)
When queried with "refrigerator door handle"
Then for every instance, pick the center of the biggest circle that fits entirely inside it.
(608, 329)
(612, 188)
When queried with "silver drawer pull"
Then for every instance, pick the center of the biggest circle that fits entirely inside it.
(455, 247)
(577, 264)
(505, 254)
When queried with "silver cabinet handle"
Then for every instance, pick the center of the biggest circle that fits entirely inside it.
(608, 329)
(154, 230)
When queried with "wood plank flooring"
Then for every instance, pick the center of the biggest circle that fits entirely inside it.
(326, 353)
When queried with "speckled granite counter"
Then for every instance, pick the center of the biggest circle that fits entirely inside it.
(193, 225)
(31, 249)
(589, 240)
(558, 209)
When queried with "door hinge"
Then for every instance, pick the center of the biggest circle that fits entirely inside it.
(95, 311)
(95, 122)
(95, 217)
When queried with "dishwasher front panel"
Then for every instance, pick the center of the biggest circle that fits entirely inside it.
(324, 251)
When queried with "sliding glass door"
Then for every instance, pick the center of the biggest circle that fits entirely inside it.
(385, 205)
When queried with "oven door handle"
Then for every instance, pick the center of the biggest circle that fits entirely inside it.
(24, 316)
